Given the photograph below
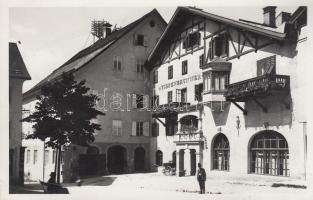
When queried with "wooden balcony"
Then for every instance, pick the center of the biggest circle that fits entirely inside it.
(260, 86)
(185, 137)
(166, 110)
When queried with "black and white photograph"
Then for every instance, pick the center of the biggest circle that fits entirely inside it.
(173, 100)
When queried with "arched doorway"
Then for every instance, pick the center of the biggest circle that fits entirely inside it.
(140, 159)
(269, 154)
(117, 162)
(220, 151)
(159, 158)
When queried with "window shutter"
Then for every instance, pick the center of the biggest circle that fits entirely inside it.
(133, 128)
(196, 92)
(146, 101)
(134, 101)
(198, 38)
(146, 129)
(226, 45)
(211, 49)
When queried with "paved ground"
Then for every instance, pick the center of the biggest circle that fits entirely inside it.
(158, 186)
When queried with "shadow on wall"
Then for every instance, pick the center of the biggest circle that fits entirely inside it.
(279, 112)
(220, 112)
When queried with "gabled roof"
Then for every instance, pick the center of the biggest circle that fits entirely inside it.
(17, 68)
(182, 11)
(88, 54)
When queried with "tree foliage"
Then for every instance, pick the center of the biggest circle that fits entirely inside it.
(64, 113)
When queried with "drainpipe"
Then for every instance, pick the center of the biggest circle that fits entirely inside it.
(304, 131)
(43, 163)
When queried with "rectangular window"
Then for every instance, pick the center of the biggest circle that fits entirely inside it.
(192, 40)
(27, 156)
(139, 40)
(184, 67)
(155, 129)
(169, 97)
(117, 64)
(198, 92)
(117, 127)
(139, 66)
(218, 46)
(184, 95)
(139, 128)
(266, 66)
(35, 156)
(156, 76)
(201, 60)
(219, 81)
(46, 159)
(170, 72)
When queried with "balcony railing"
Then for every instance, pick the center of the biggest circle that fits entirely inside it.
(188, 137)
(257, 87)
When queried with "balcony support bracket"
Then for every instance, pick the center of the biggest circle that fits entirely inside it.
(264, 109)
(245, 112)
(164, 124)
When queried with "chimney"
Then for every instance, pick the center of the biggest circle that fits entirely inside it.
(282, 18)
(107, 26)
(269, 15)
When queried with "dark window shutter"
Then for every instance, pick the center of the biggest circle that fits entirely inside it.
(210, 50)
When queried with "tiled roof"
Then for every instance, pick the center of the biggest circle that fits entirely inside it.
(86, 55)
(17, 68)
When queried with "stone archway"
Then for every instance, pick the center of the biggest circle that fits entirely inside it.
(117, 159)
(139, 159)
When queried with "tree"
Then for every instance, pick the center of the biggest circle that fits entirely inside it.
(64, 114)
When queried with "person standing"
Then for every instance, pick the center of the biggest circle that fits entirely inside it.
(201, 177)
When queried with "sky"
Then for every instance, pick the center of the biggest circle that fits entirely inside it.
(50, 36)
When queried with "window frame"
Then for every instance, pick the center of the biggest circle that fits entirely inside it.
(117, 64)
(184, 67)
(170, 72)
(117, 127)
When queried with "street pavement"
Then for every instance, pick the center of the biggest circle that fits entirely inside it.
(158, 186)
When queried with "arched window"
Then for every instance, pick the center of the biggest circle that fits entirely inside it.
(220, 153)
(159, 158)
(189, 123)
(269, 154)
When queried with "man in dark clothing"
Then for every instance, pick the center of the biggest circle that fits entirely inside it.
(201, 177)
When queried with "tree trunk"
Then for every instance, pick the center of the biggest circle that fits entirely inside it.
(59, 164)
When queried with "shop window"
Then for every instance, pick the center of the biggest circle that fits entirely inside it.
(269, 154)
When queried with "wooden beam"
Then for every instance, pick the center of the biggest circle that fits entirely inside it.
(215, 33)
(250, 50)
(245, 112)
(232, 42)
(243, 45)
(249, 41)
(164, 124)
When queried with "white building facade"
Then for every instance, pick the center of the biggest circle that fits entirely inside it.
(229, 93)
